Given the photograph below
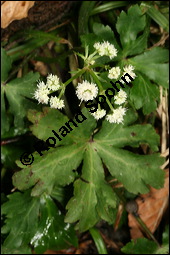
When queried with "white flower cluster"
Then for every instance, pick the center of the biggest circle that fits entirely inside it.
(99, 114)
(43, 90)
(129, 70)
(56, 103)
(106, 49)
(120, 98)
(114, 73)
(86, 91)
(117, 115)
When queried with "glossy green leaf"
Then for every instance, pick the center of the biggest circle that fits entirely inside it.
(93, 197)
(21, 219)
(128, 26)
(144, 94)
(6, 65)
(52, 232)
(153, 64)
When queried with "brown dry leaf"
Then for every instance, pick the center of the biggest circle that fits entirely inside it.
(40, 67)
(151, 207)
(14, 10)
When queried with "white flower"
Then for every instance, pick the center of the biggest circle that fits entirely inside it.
(114, 73)
(86, 91)
(42, 95)
(56, 103)
(106, 49)
(120, 98)
(100, 113)
(129, 70)
(53, 82)
(117, 115)
(41, 85)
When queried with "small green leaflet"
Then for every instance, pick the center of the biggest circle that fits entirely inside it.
(21, 219)
(18, 92)
(128, 26)
(153, 63)
(36, 221)
(144, 94)
(6, 64)
(145, 246)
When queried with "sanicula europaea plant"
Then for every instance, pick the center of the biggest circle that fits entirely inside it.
(69, 187)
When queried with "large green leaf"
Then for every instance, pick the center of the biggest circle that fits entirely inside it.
(153, 64)
(144, 94)
(17, 93)
(128, 26)
(52, 232)
(21, 219)
(93, 197)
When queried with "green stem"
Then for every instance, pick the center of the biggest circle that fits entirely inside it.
(146, 229)
(75, 76)
(100, 87)
(100, 245)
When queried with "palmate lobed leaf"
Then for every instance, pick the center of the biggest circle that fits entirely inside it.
(93, 197)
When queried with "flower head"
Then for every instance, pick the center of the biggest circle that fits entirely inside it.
(86, 91)
(129, 70)
(117, 115)
(120, 98)
(53, 82)
(99, 114)
(114, 73)
(106, 49)
(56, 103)
(41, 93)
